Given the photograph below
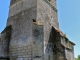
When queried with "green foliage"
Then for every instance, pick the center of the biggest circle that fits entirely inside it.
(77, 58)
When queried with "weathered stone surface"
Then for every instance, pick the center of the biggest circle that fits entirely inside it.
(4, 42)
(33, 35)
(21, 5)
(38, 42)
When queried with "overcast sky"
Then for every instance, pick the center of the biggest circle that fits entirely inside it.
(68, 16)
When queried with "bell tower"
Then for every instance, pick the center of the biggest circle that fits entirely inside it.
(31, 22)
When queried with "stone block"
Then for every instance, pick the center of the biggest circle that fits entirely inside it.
(26, 59)
(20, 59)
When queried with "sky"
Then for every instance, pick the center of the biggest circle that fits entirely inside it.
(68, 17)
(69, 21)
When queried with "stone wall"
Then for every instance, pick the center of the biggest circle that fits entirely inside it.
(53, 3)
(33, 34)
(21, 15)
(21, 52)
(48, 17)
(17, 6)
(0, 43)
(69, 54)
(4, 59)
(21, 38)
(4, 42)
(27, 36)
(58, 49)
(46, 14)
(38, 42)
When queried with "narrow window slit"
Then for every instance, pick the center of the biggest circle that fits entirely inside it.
(34, 20)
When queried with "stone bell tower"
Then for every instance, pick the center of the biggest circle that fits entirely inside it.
(31, 22)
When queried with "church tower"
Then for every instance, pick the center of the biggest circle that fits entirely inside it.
(31, 22)
(32, 33)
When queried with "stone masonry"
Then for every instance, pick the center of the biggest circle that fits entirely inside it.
(32, 32)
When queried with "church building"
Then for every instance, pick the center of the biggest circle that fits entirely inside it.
(32, 33)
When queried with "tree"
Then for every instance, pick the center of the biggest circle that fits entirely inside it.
(78, 57)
